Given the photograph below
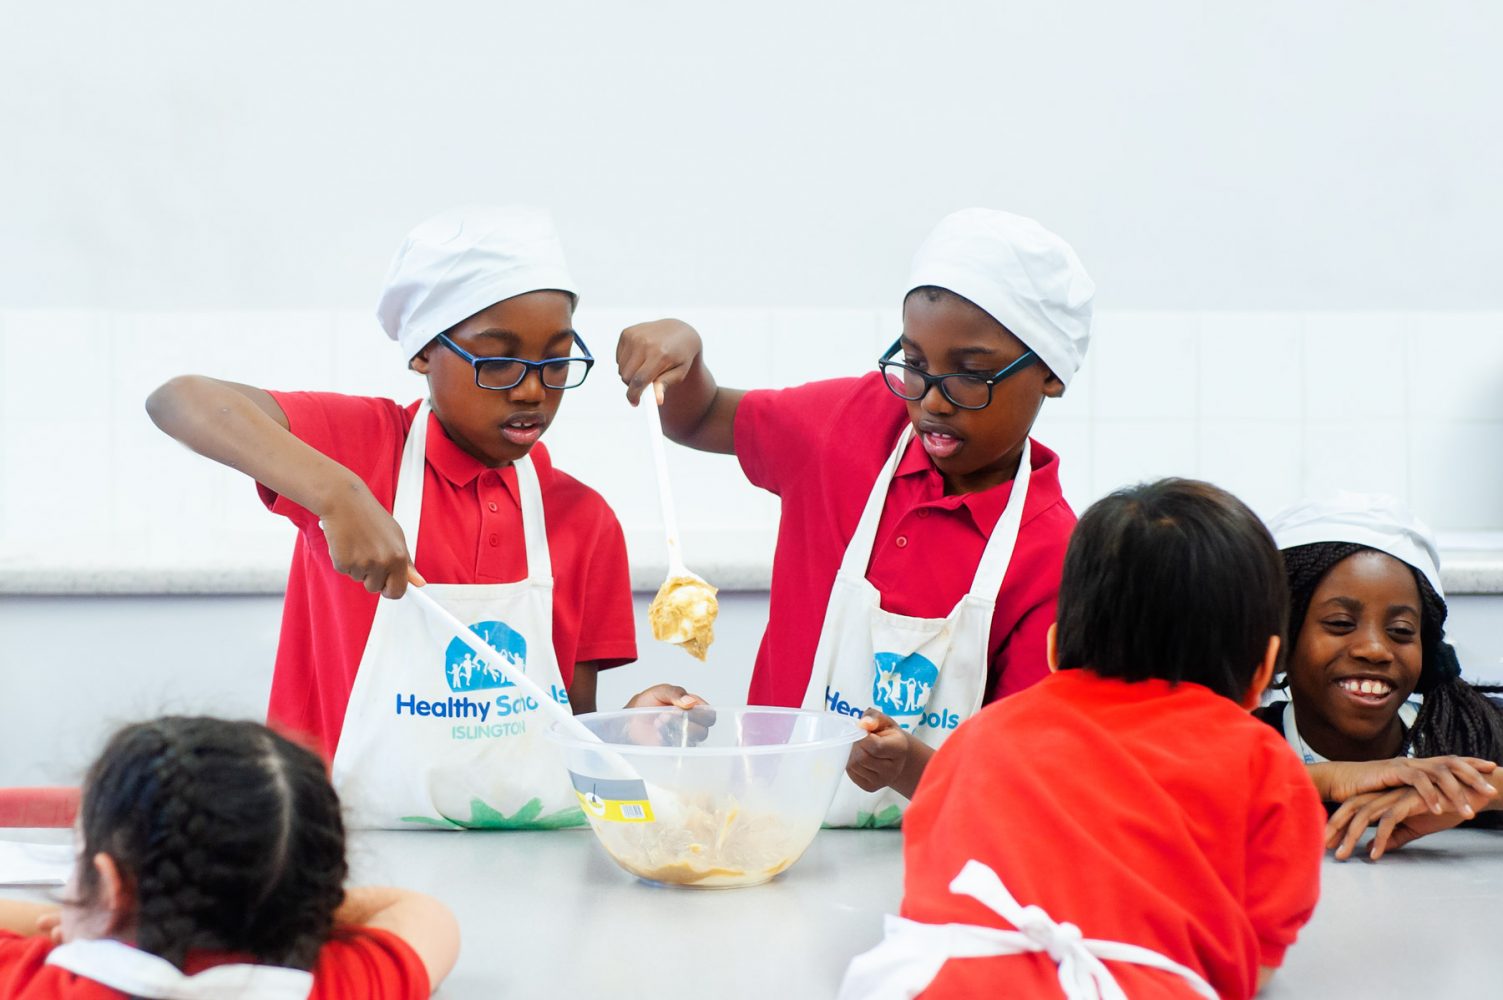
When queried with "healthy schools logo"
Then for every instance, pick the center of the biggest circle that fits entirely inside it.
(902, 684)
(467, 672)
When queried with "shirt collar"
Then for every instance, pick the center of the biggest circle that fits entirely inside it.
(461, 468)
(986, 506)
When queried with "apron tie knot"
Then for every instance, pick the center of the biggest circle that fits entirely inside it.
(1058, 940)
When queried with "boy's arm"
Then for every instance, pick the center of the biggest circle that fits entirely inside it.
(426, 925)
(695, 410)
(243, 427)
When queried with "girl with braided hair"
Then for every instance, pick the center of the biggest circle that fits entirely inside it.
(1367, 629)
(212, 865)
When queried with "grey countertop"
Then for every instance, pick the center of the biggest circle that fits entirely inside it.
(548, 914)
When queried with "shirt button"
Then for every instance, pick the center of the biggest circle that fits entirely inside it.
(492, 505)
(923, 512)
(495, 540)
(902, 541)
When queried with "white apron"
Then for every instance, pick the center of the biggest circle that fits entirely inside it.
(911, 953)
(433, 738)
(926, 674)
(142, 974)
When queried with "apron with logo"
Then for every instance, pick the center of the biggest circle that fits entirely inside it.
(433, 737)
(926, 674)
(141, 974)
(911, 953)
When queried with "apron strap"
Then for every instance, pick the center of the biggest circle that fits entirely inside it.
(912, 953)
(859, 551)
(139, 973)
(997, 555)
(407, 508)
(995, 558)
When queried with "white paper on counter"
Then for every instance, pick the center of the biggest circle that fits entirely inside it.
(34, 864)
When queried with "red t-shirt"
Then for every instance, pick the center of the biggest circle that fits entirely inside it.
(1154, 814)
(819, 447)
(363, 963)
(470, 532)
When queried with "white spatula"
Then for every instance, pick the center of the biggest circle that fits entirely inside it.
(683, 612)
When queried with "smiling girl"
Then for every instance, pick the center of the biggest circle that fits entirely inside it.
(1367, 620)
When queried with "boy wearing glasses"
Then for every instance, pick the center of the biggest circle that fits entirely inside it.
(452, 490)
(922, 532)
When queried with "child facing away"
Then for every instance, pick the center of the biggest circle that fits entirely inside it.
(1367, 624)
(1130, 795)
(211, 864)
(922, 532)
(456, 490)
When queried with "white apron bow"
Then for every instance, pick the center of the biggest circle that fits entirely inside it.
(911, 953)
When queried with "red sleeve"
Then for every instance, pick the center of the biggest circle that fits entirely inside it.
(371, 964)
(779, 433)
(1286, 844)
(1023, 659)
(355, 431)
(607, 626)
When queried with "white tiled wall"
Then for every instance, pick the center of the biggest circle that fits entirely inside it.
(1270, 405)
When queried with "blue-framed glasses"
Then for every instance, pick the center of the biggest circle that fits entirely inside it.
(969, 392)
(508, 373)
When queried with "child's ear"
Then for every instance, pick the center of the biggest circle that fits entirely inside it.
(115, 896)
(419, 361)
(1053, 387)
(1051, 648)
(1263, 675)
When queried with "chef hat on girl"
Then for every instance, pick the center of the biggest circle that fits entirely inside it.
(459, 262)
(1024, 276)
(1372, 519)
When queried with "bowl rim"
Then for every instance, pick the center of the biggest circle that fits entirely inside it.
(555, 732)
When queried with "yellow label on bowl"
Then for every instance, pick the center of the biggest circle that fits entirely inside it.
(612, 800)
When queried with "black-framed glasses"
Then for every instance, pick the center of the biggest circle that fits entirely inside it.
(508, 373)
(969, 392)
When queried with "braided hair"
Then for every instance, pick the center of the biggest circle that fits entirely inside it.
(229, 835)
(1457, 717)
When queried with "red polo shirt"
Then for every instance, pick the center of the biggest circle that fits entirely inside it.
(470, 532)
(819, 447)
(1153, 814)
(357, 962)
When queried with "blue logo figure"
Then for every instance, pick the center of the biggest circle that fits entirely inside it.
(467, 672)
(902, 686)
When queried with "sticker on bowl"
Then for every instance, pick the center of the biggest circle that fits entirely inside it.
(613, 800)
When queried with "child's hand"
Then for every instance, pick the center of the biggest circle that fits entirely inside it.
(887, 758)
(659, 352)
(665, 696)
(1401, 815)
(1443, 783)
(51, 924)
(700, 718)
(366, 544)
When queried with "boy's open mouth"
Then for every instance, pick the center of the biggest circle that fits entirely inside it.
(523, 428)
(938, 440)
(1370, 692)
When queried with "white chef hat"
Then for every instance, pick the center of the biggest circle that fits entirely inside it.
(459, 262)
(1024, 276)
(1372, 519)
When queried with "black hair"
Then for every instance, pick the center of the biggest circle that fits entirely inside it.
(1456, 717)
(228, 835)
(1175, 579)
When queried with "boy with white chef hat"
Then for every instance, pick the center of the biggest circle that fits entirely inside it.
(455, 490)
(922, 532)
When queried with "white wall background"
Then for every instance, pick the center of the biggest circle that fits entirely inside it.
(1280, 155)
